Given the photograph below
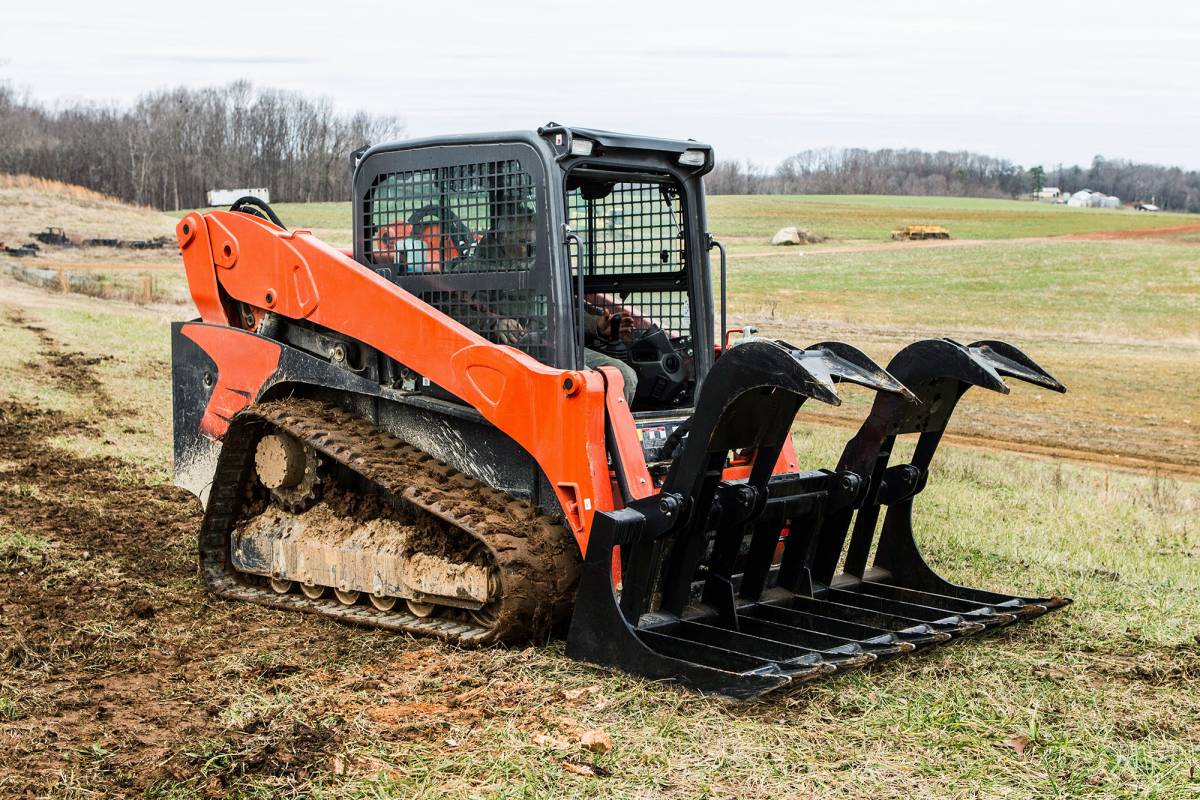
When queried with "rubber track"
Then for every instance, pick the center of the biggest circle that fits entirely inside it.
(537, 557)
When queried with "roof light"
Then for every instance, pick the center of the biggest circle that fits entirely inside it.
(692, 158)
(581, 147)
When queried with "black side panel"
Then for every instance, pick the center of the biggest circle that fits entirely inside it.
(193, 376)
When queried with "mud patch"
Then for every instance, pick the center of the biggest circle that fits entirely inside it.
(69, 370)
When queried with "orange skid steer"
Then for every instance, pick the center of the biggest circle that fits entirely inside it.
(507, 412)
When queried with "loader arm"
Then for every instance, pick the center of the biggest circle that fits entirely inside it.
(246, 259)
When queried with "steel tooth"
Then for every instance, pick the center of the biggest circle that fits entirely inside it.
(818, 377)
(1012, 361)
(851, 365)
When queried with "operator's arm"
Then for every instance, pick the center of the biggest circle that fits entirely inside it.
(605, 325)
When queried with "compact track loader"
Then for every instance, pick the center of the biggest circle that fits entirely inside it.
(506, 411)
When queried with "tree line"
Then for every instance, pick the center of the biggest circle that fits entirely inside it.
(958, 174)
(173, 145)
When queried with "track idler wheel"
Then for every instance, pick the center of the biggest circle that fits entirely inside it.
(382, 602)
(289, 469)
(420, 610)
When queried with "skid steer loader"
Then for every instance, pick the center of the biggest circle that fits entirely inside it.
(407, 434)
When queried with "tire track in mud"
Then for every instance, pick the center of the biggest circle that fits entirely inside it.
(105, 632)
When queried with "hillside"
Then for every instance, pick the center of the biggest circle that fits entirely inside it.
(29, 204)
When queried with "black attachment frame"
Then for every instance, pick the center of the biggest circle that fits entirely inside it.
(732, 586)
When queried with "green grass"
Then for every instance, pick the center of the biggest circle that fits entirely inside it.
(1105, 693)
(873, 218)
(1144, 289)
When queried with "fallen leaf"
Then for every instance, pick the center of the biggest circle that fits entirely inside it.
(1019, 744)
(452, 743)
(1095, 779)
(585, 768)
(595, 740)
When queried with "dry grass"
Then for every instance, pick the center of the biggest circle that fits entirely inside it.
(28, 205)
(50, 186)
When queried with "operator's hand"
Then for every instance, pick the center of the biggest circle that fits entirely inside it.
(509, 331)
(624, 328)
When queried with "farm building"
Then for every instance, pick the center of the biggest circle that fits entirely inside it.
(1048, 193)
(1145, 207)
(1086, 198)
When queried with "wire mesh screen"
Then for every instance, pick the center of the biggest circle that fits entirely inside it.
(463, 218)
(634, 228)
(502, 316)
(440, 231)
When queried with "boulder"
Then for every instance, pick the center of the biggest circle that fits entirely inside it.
(794, 235)
(788, 235)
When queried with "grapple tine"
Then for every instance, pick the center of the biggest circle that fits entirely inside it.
(852, 365)
(682, 611)
(1011, 361)
(939, 372)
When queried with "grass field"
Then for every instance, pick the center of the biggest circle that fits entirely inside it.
(123, 679)
(873, 217)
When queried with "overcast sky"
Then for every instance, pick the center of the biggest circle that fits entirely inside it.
(1036, 82)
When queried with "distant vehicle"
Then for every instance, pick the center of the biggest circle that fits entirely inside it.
(917, 232)
(53, 236)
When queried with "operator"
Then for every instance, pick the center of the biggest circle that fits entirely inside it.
(509, 241)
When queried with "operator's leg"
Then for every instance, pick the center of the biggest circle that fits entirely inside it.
(595, 360)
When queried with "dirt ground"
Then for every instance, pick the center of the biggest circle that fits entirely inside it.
(95, 704)
(122, 678)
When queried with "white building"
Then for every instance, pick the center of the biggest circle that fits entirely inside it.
(227, 197)
(1081, 199)
(1048, 193)
(1086, 198)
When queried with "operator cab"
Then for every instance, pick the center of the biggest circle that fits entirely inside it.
(503, 232)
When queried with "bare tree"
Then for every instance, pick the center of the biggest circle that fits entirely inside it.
(173, 145)
(963, 174)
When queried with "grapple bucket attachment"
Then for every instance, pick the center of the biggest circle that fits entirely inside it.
(734, 586)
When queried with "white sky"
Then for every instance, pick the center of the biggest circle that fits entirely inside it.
(1036, 82)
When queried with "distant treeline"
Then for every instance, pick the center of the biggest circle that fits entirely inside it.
(961, 174)
(173, 145)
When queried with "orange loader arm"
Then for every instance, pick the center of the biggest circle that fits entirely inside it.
(556, 415)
